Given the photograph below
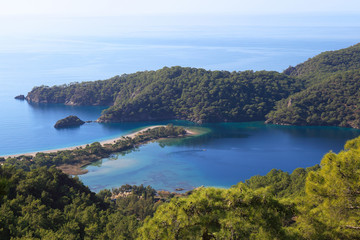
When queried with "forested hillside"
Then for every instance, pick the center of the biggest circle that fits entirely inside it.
(320, 66)
(331, 98)
(332, 102)
(48, 204)
(314, 203)
(178, 93)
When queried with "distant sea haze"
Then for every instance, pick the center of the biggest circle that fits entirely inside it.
(29, 61)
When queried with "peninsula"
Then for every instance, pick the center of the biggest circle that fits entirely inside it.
(71, 160)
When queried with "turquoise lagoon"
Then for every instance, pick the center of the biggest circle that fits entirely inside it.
(222, 155)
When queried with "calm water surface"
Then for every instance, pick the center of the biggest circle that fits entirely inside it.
(223, 155)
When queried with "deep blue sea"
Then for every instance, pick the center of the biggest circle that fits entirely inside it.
(222, 156)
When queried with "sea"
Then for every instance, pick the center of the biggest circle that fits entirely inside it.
(222, 155)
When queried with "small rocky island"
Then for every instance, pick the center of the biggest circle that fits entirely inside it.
(70, 121)
(20, 97)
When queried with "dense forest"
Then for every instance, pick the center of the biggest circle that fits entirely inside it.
(177, 93)
(316, 203)
(333, 102)
(331, 98)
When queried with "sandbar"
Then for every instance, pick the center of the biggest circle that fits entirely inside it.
(109, 141)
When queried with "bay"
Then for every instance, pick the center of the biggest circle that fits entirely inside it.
(223, 155)
(226, 154)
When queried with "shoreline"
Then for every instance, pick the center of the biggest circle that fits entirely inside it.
(104, 142)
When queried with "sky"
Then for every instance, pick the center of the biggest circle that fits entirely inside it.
(86, 8)
(124, 17)
(84, 39)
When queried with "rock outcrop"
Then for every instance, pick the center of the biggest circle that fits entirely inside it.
(20, 97)
(70, 121)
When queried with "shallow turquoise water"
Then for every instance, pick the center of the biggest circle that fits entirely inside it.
(227, 154)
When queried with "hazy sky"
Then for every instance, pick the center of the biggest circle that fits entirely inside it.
(169, 7)
(151, 17)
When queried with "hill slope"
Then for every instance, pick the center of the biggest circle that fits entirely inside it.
(178, 93)
(327, 63)
(332, 96)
